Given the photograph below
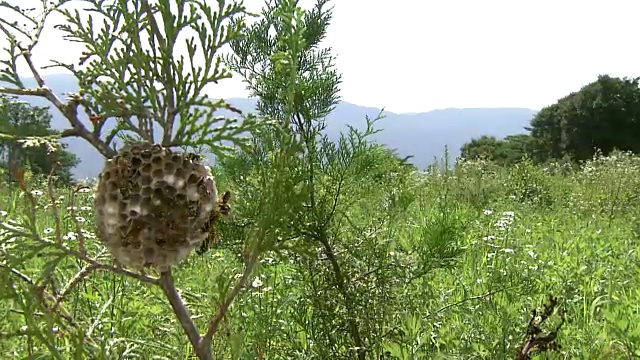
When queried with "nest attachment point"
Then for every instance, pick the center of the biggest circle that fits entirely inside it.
(153, 205)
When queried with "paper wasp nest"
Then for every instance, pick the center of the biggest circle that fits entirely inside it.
(152, 205)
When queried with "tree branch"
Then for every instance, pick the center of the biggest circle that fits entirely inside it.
(166, 46)
(69, 110)
(182, 313)
(341, 284)
(23, 92)
(98, 265)
(75, 280)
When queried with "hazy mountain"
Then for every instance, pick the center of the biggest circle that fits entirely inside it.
(423, 135)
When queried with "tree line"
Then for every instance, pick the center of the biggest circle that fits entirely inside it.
(602, 116)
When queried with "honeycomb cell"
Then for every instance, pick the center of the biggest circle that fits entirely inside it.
(152, 205)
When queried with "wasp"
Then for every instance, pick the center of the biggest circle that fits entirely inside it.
(193, 157)
(132, 233)
(124, 175)
(224, 209)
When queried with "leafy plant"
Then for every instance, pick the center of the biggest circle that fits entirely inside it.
(345, 260)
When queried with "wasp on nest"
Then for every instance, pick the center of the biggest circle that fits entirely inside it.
(224, 209)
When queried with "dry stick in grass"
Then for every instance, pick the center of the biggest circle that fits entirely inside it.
(535, 341)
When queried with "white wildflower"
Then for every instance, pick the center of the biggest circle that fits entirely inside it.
(88, 234)
(267, 260)
(256, 283)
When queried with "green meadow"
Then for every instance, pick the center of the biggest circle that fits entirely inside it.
(515, 235)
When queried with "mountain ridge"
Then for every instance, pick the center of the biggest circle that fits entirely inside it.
(422, 135)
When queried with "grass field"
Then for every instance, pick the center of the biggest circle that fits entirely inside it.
(523, 233)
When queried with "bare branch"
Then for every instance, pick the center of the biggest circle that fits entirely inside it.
(536, 340)
(23, 92)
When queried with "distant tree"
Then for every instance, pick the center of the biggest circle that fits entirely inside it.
(21, 120)
(484, 147)
(508, 151)
(604, 115)
(516, 147)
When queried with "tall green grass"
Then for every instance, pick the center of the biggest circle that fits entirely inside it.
(526, 231)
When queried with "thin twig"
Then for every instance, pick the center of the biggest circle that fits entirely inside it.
(54, 211)
(101, 266)
(40, 92)
(166, 46)
(43, 295)
(222, 311)
(75, 280)
(460, 302)
(77, 254)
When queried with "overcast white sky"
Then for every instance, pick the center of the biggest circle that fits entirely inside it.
(420, 55)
